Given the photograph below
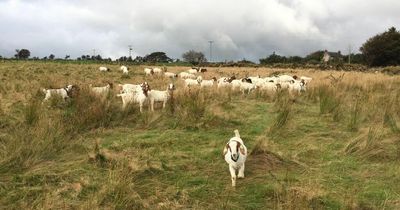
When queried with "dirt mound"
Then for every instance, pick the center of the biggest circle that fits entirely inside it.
(262, 159)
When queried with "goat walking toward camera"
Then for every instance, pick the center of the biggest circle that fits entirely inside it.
(235, 153)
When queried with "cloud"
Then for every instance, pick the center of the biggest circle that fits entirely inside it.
(240, 29)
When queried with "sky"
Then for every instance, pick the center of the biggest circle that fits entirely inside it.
(249, 29)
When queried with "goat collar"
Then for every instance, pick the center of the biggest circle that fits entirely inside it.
(238, 153)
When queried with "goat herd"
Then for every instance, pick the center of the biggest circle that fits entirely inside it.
(235, 151)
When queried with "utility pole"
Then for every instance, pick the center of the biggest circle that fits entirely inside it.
(94, 52)
(130, 50)
(211, 42)
(349, 53)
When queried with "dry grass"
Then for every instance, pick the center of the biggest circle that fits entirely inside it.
(335, 146)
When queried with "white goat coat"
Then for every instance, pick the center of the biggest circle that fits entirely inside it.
(62, 92)
(103, 68)
(268, 86)
(170, 75)
(101, 91)
(193, 82)
(124, 69)
(148, 71)
(157, 70)
(133, 97)
(128, 88)
(207, 83)
(245, 86)
(236, 84)
(185, 75)
(192, 71)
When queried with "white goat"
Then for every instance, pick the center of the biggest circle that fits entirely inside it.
(128, 88)
(225, 81)
(64, 93)
(157, 70)
(245, 86)
(160, 96)
(101, 91)
(170, 75)
(192, 71)
(148, 71)
(135, 97)
(193, 82)
(185, 75)
(235, 84)
(124, 70)
(208, 83)
(269, 86)
(235, 153)
(103, 68)
(297, 86)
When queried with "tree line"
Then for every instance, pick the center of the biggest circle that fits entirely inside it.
(380, 50)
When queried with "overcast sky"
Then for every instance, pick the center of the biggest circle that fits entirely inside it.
(248, 29)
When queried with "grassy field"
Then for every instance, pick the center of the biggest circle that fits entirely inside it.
(336, 146)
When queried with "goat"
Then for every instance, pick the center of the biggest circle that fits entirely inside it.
(193, 82)
(103, 68)
(235, 153)
(101, 91)
(127, 88)
(135, 97)
(235, 84)
(270, 86)
(124, 70)
(157, 70)
(65, 92)
(225, 81)
(170, 75)
(148, 71)
(208, 83)
(185, 75)
(160, 96)
(192, 71)
(297, 86)
(245, 86)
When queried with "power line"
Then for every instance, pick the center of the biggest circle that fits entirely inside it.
(211, 42)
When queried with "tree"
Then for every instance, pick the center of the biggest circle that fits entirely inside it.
(273, 58)
(51, 57)
(67, 57)
(382, 49)
(194, 57)
(22, 54)
(157, 57)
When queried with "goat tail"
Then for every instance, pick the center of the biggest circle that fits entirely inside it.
(237, 133)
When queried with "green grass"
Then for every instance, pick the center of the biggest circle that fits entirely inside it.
(330, 148)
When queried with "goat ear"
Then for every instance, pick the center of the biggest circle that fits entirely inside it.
(242, 150)
(225, 150)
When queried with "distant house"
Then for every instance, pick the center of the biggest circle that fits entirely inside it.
(331, 56)
(326, 57)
